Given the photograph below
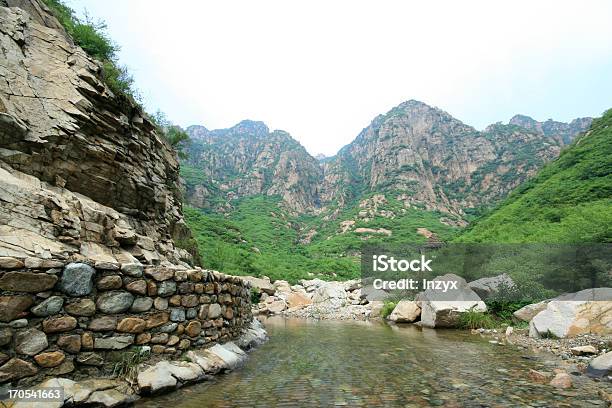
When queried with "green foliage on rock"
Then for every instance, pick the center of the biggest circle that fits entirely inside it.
(174, 135)
(91, 36)
(387, 309)
(568, 201)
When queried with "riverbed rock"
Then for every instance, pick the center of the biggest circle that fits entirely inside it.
(444, 309)
(526, 313)
(261, 284)
(311, 285)
(587, 311)
(562, 380)
(70, 343)
(109, 398)
(110, 282)
(6, 262)
(103, 323)
(30, 342)
(406, 311)
(489, 286)
(214, 311)
(6, 336)
(254, 336)
(601, 365)
(48, 307)
(231, 354)
(77, 279)
(331, 294)
(114, 302)
(376, 307)
(132, 269)
(296, 299)
(583, 350)
(166, 288)
(166, 375)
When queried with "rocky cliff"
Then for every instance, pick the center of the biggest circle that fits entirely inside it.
(421, 154)
(249, 159)
(85, 175)
(437, 162)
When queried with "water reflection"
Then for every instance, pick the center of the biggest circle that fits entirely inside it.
(327, 363)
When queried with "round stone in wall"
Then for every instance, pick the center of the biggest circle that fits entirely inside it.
(49, 307)
(30, 342)
(114, 302)
(77, 279)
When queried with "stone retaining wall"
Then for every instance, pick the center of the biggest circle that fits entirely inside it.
(71, 320)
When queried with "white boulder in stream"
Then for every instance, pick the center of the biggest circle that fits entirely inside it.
(331, 294)
(600, 366)
(442, 308)
(167, 375)
(570, 315)
(406, 311)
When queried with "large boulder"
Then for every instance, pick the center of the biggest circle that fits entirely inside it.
(526, 313)
(253, 336)
(600, 366)
(487, 287)
(330, 294)
(166, 375)
(311, 285)
(274, 304)
(262, 284)
(406, 311)
(282, 286)
(299, 300)
(587, 311)
(443, 309)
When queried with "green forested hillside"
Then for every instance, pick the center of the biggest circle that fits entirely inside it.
(259, 237)
(569, 201)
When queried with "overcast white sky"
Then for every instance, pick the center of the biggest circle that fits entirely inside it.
(322, 70)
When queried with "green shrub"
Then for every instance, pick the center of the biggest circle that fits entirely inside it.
(255, 295)
(127, 366)
(91, 36)
(473, 319)
(176, 137)
(387, 309)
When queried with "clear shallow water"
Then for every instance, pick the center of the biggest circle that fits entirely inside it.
(355, 364)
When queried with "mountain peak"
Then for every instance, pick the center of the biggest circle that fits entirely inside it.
(253, 127)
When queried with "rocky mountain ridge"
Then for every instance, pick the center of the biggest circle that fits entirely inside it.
(421, 154)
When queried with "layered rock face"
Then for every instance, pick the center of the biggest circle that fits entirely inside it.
(84, 173)
(90, 219)
(438, 162)
(248, 160)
